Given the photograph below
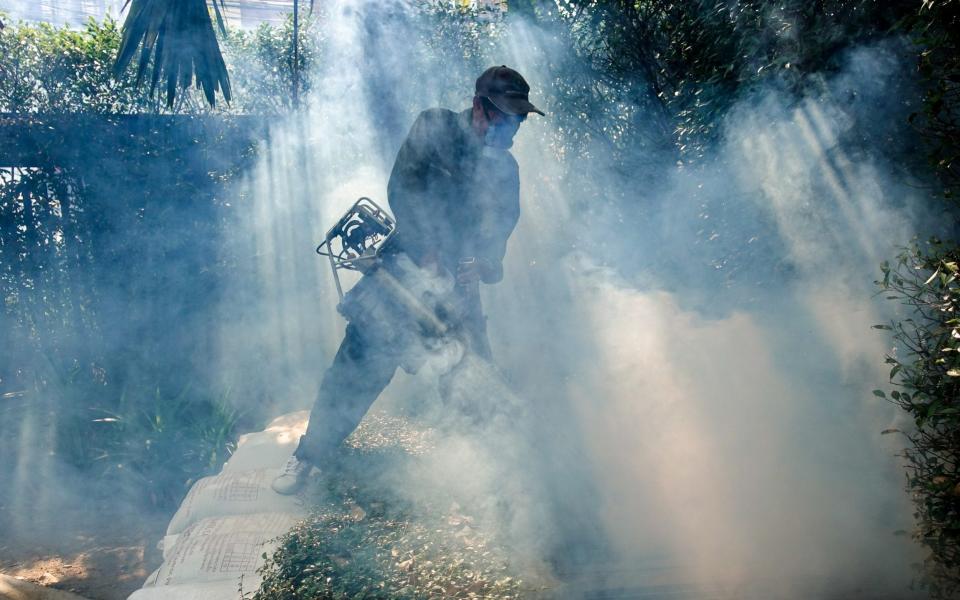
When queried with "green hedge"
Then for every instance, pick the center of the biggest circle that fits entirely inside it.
(51, 69)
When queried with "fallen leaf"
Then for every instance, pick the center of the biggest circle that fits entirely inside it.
(340, 561)
(357, 513)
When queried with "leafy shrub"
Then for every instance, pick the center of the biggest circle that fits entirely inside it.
(926, 374)
(366, 540)
(53, 69)
(161, 443)
(664, 73)
(262, 68)
(937, 27)
(56, 69)
(112, 391)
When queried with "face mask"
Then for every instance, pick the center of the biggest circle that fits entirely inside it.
(500, 135)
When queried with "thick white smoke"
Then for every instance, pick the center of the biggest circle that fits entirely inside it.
(675, 429)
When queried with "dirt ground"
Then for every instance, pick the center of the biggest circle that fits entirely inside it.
(102, 563)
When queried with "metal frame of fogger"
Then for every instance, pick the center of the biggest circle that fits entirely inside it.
(362, 231)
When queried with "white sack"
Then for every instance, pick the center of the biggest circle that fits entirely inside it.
(221, 590)
(222, 557)
(152, 577)
(166, 544)
(276, 523)
(271, 447)
(221, 548)
(262, 450)
(295, 421)
(242, 493)
(272, 524)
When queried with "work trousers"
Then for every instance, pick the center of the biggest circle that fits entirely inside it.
(361, 369)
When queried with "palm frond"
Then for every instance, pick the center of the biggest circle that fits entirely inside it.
(178, 38)
(219, 13)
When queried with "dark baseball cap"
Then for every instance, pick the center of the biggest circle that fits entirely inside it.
(507, 89)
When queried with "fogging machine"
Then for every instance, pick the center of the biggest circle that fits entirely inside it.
(355, 241)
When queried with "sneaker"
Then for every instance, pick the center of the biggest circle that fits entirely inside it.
(292, 476)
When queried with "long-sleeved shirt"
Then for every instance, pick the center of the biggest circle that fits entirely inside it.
(452, 196)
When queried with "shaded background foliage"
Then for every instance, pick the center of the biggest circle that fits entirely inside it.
(111, 268)
(103, 328)
(659, 82)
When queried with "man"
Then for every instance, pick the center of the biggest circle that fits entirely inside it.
(455, 192)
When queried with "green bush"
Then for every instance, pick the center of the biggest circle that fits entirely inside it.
(158, 443)
(261, 65)
(661, 74)
(56, 69)
(925, 371)
(365, 540)
(118, 408)
(51, 69)
(926, 368)
(937, 27)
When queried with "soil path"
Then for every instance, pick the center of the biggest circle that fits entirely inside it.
(97, 562)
